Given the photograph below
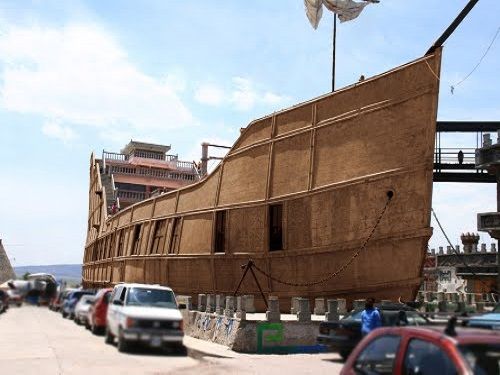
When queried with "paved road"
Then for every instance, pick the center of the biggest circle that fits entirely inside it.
(38, 341)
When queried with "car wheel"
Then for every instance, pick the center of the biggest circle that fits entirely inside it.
(108, 338)
(344, 354)
(178, 349)
(123, 345)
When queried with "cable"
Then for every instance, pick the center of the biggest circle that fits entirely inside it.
(452, 87)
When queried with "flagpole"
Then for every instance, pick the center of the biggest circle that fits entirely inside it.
(333, 53)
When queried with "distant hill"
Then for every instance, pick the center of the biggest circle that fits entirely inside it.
(60, 271)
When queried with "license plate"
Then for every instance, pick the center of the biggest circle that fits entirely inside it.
(156, 341)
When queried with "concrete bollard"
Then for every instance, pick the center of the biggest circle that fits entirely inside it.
(358, 304)
(202, 302)
(333, 310)
(249, 303)
(273, 311)
(189, 303)
(295, 305)
(210, 303)
(229, 310)
(304, 313)
(240, 308)
(319, 306)
(219, 304)
(342, 306)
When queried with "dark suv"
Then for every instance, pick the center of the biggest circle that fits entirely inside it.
(343, 335)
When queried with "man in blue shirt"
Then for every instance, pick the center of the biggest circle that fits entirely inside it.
(370, 317)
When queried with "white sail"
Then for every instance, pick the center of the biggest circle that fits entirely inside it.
(345, 10)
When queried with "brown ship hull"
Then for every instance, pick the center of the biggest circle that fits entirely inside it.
(299, 193)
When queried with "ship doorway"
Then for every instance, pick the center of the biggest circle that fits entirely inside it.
(220, 231)
(276, 227)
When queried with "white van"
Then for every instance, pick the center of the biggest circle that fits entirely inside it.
(142, 313)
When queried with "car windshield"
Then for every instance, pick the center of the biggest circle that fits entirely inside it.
(151, 297)
(483, 359)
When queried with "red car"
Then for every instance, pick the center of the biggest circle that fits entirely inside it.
(96, 320)
(426, 350)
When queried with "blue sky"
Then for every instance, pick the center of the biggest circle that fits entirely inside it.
(78, 76)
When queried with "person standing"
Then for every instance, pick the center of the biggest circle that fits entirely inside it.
(370, 317)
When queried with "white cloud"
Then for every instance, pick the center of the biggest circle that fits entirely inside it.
(244, 95)
(80, 75)
(209, 94)
(54, 130)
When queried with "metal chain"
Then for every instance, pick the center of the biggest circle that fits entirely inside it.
(342, 268)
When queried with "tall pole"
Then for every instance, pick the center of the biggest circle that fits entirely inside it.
(333, 53)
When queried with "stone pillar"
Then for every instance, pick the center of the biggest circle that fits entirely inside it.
(479, 306)
(319, 306)
(189, 303)
(333, 310)
(342, 306)
(358, 304)
(295, 305)
(470, 298)
(249, 303)
(219, 304)
(210, 303)
(240, 308)
(202, 302)
(441, 251)
(448, 250)
(273, 311)
(229, 310)
(433, 251)
(304, 313)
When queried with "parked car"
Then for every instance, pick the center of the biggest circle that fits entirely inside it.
(426, 350)
(4, 301)
(148, 314)
(15, 298)
(82, 309)
(343, 335)
(68, 308)
(96, 320)
(489, 320)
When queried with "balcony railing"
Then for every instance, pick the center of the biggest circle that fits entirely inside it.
(172, 161)
(128, 195)
(154, 172)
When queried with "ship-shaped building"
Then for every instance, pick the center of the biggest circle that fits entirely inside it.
(328, 198)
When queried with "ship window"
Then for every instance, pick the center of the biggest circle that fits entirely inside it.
(174, 236)
(159, 235)
(275, 227)
(136, 241)
(220, 231)
(121, 238)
